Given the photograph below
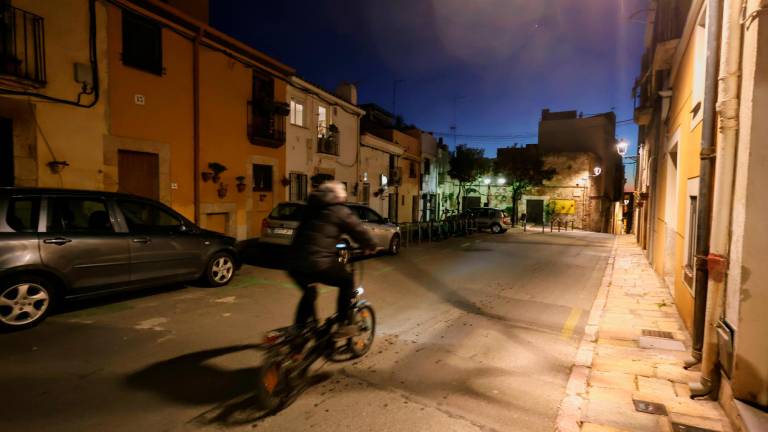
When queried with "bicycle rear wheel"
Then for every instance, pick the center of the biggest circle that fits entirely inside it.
(273, 383)
(365, 319)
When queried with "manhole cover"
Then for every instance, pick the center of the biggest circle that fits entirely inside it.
(649, 407)
(681, 427)
(658, 334)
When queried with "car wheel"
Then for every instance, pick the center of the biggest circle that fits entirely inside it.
(25, 301)
(496, 229)
(220, 269)
(394, 245)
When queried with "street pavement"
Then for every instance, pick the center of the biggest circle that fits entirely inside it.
(473, 334)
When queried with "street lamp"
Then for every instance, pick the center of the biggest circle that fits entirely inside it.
(487, 181)
(597, 171)
(501, 181)
(622, 146)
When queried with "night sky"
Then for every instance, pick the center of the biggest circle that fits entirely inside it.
(498, 62)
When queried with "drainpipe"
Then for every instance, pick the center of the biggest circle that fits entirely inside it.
(707, 165)
(728, 111)
(196, 121)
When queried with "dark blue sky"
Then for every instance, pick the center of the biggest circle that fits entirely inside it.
(504, 59)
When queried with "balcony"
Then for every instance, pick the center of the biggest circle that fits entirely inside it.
(266, 126)
(22, 46)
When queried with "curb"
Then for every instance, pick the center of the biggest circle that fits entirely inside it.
(569, 413)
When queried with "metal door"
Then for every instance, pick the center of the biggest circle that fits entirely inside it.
(81, 242)
(534, 211)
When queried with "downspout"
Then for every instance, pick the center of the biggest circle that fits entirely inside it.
(706, 171)
(196, 121)
(725, 165)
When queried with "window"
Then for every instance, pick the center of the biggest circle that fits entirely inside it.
(72, 215)
(142, 43)
(22, 214)
(427, 166)
(699, 68)
(262, 178)
(322, 121)
(297, 112)
(288, 212)
(411, 169)
(143, 217)
(298, 187)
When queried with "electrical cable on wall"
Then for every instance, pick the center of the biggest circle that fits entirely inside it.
(94, 90)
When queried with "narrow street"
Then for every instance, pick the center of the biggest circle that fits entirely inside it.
(474, 333)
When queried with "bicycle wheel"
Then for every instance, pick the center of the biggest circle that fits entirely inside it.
(365, 319)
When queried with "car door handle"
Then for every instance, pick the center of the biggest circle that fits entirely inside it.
(142, 240)
(57, 241)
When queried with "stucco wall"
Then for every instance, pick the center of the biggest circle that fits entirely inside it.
(45, 131)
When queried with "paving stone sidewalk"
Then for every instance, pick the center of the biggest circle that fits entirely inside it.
(612, 369)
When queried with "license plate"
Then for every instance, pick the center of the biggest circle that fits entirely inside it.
(284, 231)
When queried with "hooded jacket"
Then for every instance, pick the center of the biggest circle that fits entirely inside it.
(322, 226)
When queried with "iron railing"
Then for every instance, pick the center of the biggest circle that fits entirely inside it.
(22, 44)
(265, 129)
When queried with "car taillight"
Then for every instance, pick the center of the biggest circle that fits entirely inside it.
(507, 221)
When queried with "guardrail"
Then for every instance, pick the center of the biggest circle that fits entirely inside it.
(419, 232)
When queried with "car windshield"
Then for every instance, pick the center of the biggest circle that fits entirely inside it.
(288, 212)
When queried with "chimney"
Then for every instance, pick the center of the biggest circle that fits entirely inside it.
(348, 92)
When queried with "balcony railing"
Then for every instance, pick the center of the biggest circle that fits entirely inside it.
(265, 129)
(22, 45)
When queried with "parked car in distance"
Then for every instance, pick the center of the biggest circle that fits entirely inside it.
(278, 228)
(60, 244)
(496, 220)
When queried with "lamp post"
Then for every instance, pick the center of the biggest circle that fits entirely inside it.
(500, 181)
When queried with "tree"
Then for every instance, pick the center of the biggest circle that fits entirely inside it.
(466, 165)
(523, 169)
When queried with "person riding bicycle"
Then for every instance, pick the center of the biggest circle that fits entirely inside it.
(315, 259)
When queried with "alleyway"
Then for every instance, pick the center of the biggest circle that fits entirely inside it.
(475, 334)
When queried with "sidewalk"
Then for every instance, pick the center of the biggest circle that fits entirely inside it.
(616, 365)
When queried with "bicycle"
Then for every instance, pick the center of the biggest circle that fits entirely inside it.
(286, 367)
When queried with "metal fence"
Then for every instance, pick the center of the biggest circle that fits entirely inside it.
(22, 44)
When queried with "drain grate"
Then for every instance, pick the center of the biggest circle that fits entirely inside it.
(658, 334)
(681, 427)
(649, 407)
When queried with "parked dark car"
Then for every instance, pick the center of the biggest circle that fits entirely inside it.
(58, 244)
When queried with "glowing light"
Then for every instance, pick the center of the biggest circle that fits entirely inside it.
(597, 171)
(622, 146)
(501, 181)
(487, 181)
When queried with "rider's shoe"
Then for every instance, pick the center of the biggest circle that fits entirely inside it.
(346, 331)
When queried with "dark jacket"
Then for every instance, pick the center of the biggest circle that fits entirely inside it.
(321, 228)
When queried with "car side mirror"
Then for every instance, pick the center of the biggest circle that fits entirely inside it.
(384, 221)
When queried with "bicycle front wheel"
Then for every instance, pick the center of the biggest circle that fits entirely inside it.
(365, 320)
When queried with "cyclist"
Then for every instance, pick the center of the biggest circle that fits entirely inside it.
(314, 257)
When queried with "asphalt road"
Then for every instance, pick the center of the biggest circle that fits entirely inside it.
(474, 334)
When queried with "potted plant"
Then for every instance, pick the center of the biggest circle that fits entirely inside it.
(240, 183)
(222, 190)
(57, 166)
(206, 175)
(217, 169)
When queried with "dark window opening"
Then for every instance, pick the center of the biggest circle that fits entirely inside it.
(427, 166)
(7, 173)
(411, 169)
(266, 117)
(298, 187)
(262, 178)
(142, 43)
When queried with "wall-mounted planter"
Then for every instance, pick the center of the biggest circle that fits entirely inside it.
(240, 183)
(222, 190)
(206, 175)
(57, 166)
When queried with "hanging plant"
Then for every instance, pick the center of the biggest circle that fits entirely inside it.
(240, 183)
(222, 190)
(217, 169)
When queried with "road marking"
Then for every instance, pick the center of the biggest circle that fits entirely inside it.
(465, 244)
(230, 299)
(151, 324)
(383, 270)
(570, 323)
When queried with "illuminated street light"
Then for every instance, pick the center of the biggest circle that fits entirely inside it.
(501, 181)
(487, 181)
(597, 171)
(622, 146)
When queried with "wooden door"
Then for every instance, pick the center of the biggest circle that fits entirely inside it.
(138, 173)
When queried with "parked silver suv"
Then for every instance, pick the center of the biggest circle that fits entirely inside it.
(57, 244)
(496, 220)
(279, 226)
